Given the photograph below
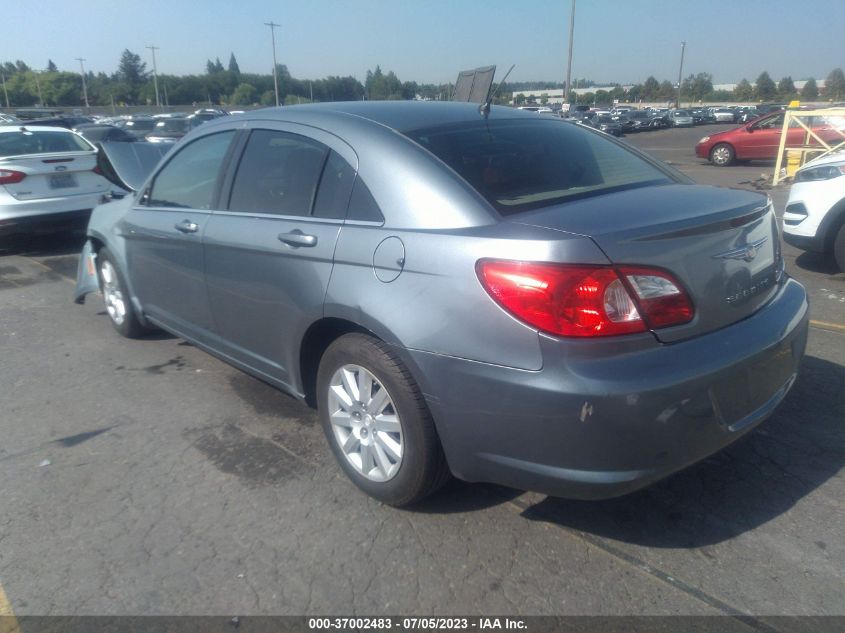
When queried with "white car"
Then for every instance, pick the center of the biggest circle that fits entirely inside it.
(46, 173)
(724, 115)
(814, 219)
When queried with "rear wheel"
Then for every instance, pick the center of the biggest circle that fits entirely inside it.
(377, 422)
(839, 248)
(722, 155)
(116, 297)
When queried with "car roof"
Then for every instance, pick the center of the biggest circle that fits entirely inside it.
(402, 116)
(33, 128)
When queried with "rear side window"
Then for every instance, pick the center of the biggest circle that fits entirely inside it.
(20, 143)
(277, 174)
(335, 187)
(522, 165)
(362, 205)
(189, 179)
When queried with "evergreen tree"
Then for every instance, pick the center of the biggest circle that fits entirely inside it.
(834, 85)
(810, 91)
(51, 67)
(786, 88)
(233, 65)
(765, 88)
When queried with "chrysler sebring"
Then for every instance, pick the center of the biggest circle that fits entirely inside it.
(484, 293)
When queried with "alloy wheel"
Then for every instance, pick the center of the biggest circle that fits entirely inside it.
(365, 423)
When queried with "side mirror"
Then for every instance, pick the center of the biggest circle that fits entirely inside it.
(749, 128)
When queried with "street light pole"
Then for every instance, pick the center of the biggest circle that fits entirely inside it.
(680, 72)
(38, 87)
(155, 74)
(567, 95)
(273, 26)
(84, 87)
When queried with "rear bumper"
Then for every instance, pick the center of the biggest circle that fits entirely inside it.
(25, 215)
(601, 422)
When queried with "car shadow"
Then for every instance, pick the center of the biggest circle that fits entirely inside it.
(736, 490)
(817, 263)
(65, 242)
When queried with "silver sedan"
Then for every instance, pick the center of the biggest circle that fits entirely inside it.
(482, 292)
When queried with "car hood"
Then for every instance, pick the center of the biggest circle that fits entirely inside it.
(836, 157)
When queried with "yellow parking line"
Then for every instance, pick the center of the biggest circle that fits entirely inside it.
(824, 325)
(8, 621)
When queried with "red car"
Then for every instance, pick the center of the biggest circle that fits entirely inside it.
(759, 139)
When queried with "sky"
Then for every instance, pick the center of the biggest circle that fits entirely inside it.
(430, 41)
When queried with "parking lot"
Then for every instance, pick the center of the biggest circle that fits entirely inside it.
(147, 477)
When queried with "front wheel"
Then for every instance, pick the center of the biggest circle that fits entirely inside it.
(116, 296)
(377, 423)
(722, 155)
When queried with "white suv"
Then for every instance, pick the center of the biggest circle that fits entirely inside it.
(814, 219)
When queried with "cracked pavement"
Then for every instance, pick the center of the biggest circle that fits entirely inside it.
(147, 477)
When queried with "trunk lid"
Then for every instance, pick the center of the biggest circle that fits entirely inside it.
(128, 164)
(723, 245)
(54, 175)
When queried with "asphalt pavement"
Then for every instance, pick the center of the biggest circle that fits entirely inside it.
(147, 477)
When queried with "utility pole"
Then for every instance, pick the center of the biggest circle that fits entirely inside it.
(567, 93)
(38, 87)
(273, 26)
(680, 72)
(84, 87)
(155, 74)
(5, 92)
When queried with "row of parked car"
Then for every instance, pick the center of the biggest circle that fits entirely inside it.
(626, 119)
(155, 128)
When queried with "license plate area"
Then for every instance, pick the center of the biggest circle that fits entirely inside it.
(750, 387)
(62, 181)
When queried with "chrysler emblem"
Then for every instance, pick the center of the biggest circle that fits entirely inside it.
(746, 253)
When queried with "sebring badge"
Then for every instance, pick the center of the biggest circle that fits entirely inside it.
(747, 252)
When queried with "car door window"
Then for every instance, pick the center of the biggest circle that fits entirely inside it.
(277, 174)
(189, 179)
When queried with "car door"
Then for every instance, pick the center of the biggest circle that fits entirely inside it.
(762, 139)
(269, 254)
(164, 231)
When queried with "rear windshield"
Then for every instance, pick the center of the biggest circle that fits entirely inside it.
(20, 143)
(521, 165)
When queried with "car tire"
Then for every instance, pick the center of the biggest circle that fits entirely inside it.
(385, 440)
(839, 248)
(116, 297)
(722, 155)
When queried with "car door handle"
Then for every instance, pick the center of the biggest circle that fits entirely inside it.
(298, 238)
(186, 226)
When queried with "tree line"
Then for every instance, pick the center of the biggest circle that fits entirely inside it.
(699, 87)
(132, 84)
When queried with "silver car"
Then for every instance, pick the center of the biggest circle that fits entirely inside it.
(503, 297)
(680, 118)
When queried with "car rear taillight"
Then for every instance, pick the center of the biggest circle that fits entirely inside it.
(97, 170)
(585, 301)
(10, 176)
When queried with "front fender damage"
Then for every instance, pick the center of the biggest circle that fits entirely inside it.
(87, 280)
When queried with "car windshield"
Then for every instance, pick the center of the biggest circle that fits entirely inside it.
(19, 143)
(521, 165)
(141, 124)
(681, 113)
(172, 125)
